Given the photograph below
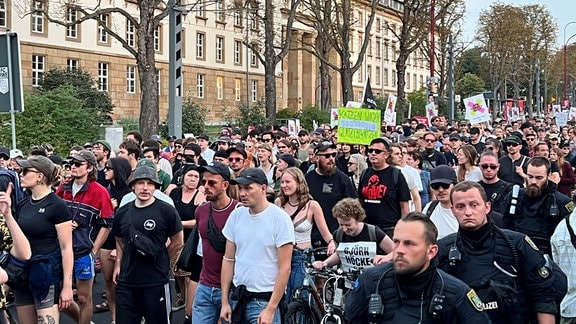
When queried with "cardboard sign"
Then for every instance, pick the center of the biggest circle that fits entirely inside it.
(390, 112)
(562, 118)
(358, 126)
(431, 111)
(333, 117)
(476, 109)
(356, 255)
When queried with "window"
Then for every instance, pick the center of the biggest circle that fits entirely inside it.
(158, 39)
(200, 9)
(220, 11)
(378, 48)
(130, 79)
(102, 34)
(219, 88)
(158, 81)
(385, 77)
(359, 96)
(130, 33)
(37, 17)
(386, 51)
(219, 49)
(393, 78)
(238, 18)
(360, 75)
(238, 52)
(237, 89)
(71, 16)
(102, 76)
(369, 72)
(407, 80)
(253, 59)
(369, 46)
(254, 25)
(200, 45)
(360, 19)
(421, 80)
(200, 85)
(415, 82)
(254, 90)
(3, 13)
(378, 25)
(72, 64)
(378, 76)
(38, 68)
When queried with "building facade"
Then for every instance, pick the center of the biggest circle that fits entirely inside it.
(219, 71)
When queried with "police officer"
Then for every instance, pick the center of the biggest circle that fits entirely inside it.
(539, 207)
(514, 280)
(412, 289)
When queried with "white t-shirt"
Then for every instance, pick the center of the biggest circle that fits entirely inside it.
(208, 155)
(257, 238)
(474, 175)
(413, 180)
(444, 220)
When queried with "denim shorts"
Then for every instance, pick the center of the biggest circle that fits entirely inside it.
(84, 267)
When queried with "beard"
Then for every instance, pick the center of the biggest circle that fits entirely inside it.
(534, 191)
(327, 169)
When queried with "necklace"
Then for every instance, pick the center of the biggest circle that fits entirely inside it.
(38, 201)
(297, 204)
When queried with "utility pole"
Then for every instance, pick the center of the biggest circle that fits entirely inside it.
(538, 86)
(451, 77)
(175, 70)
(432, 41)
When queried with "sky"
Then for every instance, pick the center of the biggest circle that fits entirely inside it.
(560, 9)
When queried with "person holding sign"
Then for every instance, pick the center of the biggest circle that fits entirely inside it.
(358, 245)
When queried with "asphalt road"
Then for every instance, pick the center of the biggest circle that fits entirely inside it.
(104, 318)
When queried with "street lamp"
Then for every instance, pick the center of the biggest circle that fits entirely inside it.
(565, 60)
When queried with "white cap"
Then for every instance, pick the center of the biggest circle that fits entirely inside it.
(16, 153)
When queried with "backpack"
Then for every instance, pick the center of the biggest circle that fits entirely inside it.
(431, 208)
(371, 233)
(17, 191)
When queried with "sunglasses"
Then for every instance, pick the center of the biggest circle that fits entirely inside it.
(377, 151)
(210, 183)
(4, 157)
(282, 147)
(78, 164)
(491, 148)
(235, 159)
(178, 146)
(430, 141)
(530, 139)
(351, 163)
(107, 168)
(26, 171)
(437, 186)
(267, 140)
(67, 166)
(327, 155)
(512, 144)
(491, 166)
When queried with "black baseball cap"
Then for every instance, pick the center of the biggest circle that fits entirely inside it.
(443, 174)
(323, 146)
(217, 168)
(251, 175)
(237, 149)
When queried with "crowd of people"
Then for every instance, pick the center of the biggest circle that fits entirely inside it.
(461, 224)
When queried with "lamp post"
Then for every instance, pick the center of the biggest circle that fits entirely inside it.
(565, 59)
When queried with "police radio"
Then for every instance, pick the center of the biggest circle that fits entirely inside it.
(514, 201)
(554, 207)
(437, 303)
(454, 255)
(375, 308)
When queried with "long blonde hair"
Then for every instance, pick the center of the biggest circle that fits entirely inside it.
(470, 153)
(302, 191)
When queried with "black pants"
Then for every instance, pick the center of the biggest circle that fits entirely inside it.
(152, 303)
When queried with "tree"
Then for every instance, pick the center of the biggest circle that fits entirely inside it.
(472, 61)
(333, 22)
(96, 102)
(312, 113)
(469, 84)
(54, 116)
(418, 100)
(276, 44)
(193, 118)
(254, 115)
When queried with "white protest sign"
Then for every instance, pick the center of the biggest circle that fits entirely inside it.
(561, 118)
(390, 112)
(333, 117)
(476, 109)
(556, 109)
(572, 113)
(292, 130)
(356, 255)
(298, 125)
(431, 111)
(353, 104)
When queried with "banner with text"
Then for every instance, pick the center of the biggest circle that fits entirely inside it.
(561, 118)
(358, 126)
(431, 111)
(476, 109)
(356, 255)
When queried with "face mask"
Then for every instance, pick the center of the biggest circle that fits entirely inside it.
(429, 151)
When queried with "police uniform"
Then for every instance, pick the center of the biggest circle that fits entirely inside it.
(444, 300)
(538, 217)
(510, 275)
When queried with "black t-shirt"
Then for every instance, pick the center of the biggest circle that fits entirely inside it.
(507, 170)
(364, 236)
(328, 190)
(381, 197)
(38, 220)
(185, 210)
(4, 182)
(158, 222)
(499, 190)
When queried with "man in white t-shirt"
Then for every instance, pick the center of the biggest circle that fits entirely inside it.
(442, 180)
(258, 255)
(397, 159)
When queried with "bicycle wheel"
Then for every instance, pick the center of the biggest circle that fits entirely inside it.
(298, 312)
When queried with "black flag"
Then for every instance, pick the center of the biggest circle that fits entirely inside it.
(369, 96)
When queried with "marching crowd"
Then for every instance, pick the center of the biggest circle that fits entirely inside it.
(461, 224)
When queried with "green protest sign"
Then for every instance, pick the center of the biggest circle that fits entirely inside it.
(358, 126)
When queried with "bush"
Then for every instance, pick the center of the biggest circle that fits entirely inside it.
(53, 116)
(193, 119)
(255, 115)
(311, 113)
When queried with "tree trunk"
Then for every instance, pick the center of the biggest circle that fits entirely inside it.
(325, 78)
(401, 79)
(347, 90)
(270, 63)
(149, 112)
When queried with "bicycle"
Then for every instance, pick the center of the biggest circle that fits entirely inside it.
(307, 307)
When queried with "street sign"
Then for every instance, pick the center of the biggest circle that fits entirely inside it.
(11, 94)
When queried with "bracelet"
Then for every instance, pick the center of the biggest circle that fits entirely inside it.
(228, 259)
(331, 240)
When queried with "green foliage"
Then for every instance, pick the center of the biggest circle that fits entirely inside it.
(52, 116)
(418, 99)
(311, 113)
(253, 115)
(193, 119)
(98, 103)
(468, 84)
(286, 113)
